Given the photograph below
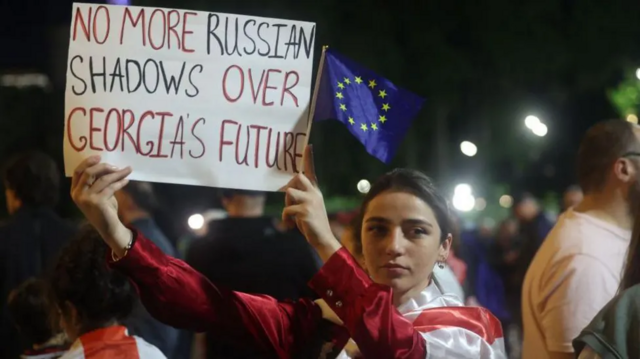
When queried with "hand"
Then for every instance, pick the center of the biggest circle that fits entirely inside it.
(92, 188)
(304, 206)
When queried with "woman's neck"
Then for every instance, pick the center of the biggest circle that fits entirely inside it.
(399, 298)
(90, 328)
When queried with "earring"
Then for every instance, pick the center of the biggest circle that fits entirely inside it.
(441, 265)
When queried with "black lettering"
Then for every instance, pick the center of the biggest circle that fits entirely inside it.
(197, 91)
(263, 40)
(73, 73)
(211, 32)
(250, 38)
(308, 45)
(102, 74)
(117, 73)
(226, 38)
(275, 52)
(193, 133)
(172, 82)
(292, 42)
(126, 69)
(145, 76)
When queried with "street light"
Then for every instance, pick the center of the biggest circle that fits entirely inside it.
(463, 199)
(531, 122)
(468, 148)
(540, 130)
(364, 186)
(638, 74)
(196, 221)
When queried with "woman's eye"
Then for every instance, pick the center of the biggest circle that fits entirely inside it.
(376, 229)
(419, 231)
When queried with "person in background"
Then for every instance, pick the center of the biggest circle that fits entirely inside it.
(29, 309)
(92, 301)
(578, 268)
(136, 202)
(572, 197)
(32, 236)
(248, 252)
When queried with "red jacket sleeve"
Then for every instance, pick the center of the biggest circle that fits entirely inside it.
(176, 294)
(367, 310)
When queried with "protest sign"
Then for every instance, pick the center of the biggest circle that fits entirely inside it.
(188, 97)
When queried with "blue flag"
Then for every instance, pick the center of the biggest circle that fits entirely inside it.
(375, 111)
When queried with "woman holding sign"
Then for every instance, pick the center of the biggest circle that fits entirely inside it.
(398, 312)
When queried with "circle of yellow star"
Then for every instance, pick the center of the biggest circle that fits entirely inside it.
(351, 121)
(340, 85)
(382, 93)
(343, 107)
(382, 119)
(358, 80)
(363, 127)
(374, 126)
(372, 83)
(347, 81)
(385, 107)
(339, 95)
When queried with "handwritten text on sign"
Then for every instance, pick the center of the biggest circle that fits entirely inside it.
(188, 97)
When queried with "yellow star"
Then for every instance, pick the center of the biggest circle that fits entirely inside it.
(385, 107)
(358, 80)
(340, 85)
(382, 119)
(374, 127)
(363, 127)
(382, 93)
(347, 81)
(339, 95)
(372, 83)
(343, 107)
(351, 121)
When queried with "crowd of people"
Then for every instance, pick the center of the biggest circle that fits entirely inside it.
(397, 278)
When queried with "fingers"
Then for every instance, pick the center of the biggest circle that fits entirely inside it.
(294, 196)
(309, 165)
(107, 180)
(93, 160)
(290, 212)
(91, 174)
(114, 187)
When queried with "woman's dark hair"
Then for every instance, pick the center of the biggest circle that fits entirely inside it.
(34, 177)
(415, 183)
(82, 278)
(29, 309)
(631, 274)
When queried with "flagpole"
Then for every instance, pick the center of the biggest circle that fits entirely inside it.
(314, 97)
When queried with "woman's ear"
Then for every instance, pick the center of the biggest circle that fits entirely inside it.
(445, 247)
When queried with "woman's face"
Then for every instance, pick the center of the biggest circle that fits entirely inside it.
(401, 243)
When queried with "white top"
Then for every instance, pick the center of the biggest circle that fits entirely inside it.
(448, 282)
(575, 272)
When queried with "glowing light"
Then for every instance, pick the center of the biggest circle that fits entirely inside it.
(481, 204)
(468, 148)
(506, 201)
(462, 189)
(540, 130)
(463, 199)
(364, 186)
(196, 221)
(531, 122)
(638, 74)
(632, 118)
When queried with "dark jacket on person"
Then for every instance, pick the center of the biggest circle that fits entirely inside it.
(252, 255)
(30, 242)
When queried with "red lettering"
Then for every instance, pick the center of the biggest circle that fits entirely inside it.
(246, 149)
(224, 83)
(171, 28)
(141, 17)
(277, 147)
(223, 142)
(149, 143)
(108, 22)
(185, 31)
(179, 133)
(267, 87)
(257, 154)
(287, 89)
(193, 133)
(106, 129)
(82, 139)
(92, 129)
(297, 154)
(287, 149)
(164, 26)
(162, 115)
(125, 130)
(255, 92)
(80, 19)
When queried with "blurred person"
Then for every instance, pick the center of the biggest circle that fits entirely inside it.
(577, 270)
(93, 300)
(249, 252)
(136, 202)
(613, 332)
(572, 197)
(29, 308)
(394, 311)
(33, 234)
(337, 227)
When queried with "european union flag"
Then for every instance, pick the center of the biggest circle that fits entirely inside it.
(376, 111)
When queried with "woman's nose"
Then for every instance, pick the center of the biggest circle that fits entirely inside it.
(395, 242)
